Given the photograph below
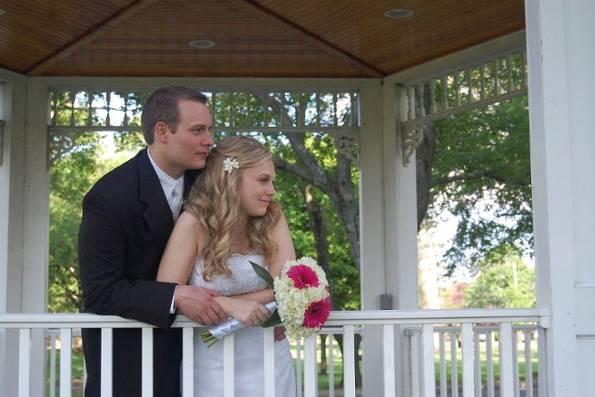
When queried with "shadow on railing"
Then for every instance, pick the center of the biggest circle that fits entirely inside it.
(448, 353)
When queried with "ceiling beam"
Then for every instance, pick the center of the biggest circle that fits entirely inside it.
(90, 35)
(309, 37)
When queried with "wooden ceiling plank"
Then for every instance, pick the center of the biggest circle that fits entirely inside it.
(90, 35)
(310, 38)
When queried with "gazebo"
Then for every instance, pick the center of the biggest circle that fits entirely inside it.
(390, 58)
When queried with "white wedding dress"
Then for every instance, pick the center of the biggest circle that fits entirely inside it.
(249, 349)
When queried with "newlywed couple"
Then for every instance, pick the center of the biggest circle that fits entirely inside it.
(173, 231)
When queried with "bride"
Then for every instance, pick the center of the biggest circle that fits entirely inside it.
(231, 219)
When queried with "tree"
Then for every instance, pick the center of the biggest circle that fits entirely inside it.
(476, 165)
(504, 281)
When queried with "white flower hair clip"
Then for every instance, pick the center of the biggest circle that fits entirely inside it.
(230, 164)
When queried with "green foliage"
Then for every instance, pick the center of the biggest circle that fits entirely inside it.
(504, 281)
(481, 174)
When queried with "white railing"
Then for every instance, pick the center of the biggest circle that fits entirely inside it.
(424, 333)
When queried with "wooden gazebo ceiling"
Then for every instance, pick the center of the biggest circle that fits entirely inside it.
(264, 38)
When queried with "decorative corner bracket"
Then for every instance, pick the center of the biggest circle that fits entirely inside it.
(347, 143)
(412, 136)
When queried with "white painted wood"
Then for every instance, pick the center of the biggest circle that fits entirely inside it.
(560, 53)
(372, 219)
(490, 364)
(52, 366)
(477, 362)
(147, 362)
(506, 370)
(36, 225)
(65, 362)
(24, 362)
(106, 362)
(414, 359)
(515, 364)
(269, 362)
(427, 345)
(467, 355)
(228, 366)
(12, 181)
(299, 364)
(454, 379)
(188, 362)
(443, 389)
(331, 366)
(389, 360)
(348, 359)
(543, 358)
(528, 363)
(310, 366)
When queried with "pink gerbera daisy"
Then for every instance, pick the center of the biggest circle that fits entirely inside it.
(317, 313)
(303, 276)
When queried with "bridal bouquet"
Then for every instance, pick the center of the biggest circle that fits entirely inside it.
(302, 301)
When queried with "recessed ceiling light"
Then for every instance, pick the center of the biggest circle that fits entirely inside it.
(202, 44)
(399, 13)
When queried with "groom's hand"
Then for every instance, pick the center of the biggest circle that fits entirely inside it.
(198, 304)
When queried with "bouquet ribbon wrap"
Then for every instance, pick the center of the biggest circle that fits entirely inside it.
(232, 325)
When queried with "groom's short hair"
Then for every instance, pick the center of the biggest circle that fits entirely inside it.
(162, 105)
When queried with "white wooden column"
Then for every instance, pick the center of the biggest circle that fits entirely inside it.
(36, 223)
(12, 110)
(561, 56)
(372, 276)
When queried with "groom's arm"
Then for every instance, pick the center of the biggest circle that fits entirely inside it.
(106, 290)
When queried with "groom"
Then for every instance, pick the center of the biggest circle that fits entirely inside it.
(127, 218)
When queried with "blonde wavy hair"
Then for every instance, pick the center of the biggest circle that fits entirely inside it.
(215, 201)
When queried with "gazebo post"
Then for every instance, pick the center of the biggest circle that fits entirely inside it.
(372, 219)
(12, 177)
(561, 99)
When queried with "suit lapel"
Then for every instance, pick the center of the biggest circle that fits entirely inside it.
(157, 213)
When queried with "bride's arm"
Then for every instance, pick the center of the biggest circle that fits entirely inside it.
(181, 250)
(176, 264)
(281, 236)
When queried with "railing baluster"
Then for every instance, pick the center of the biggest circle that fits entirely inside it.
(454, 376)
(467, 355)
(188, 362)
(299, 367)
(65, 362)
(490, 364)
(415, 367)
(24, 361)
(106, 362)
(52, 366)
(310, 366)
(528, 364)
(269, 363)
(542, 363)
(477, 362)
(147, 362)
(348, 358)
(427, 346)
(506, 370)
(331, 366)
(228, 366)
(388, 349)
(515, 363)
(442, 365)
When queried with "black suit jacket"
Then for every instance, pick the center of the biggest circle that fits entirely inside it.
(125, 226)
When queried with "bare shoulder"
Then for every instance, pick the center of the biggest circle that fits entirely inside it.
(188, 222)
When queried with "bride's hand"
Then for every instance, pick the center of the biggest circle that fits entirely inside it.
(248, 312)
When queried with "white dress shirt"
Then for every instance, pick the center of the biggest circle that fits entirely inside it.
(173, 190)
